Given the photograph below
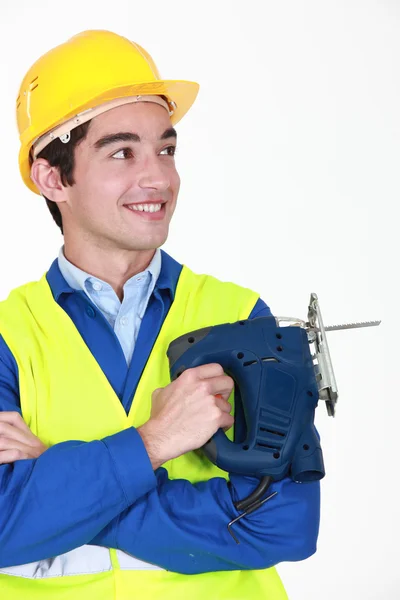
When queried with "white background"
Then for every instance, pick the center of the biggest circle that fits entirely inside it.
(289, 162)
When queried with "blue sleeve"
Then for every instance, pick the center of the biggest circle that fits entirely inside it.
(61, 500)
(183, 527)
(260, 310)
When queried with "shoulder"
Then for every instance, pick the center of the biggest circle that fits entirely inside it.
(207, 282)
(261, 309)
(227, 292)
(224, 290)
(18, 294)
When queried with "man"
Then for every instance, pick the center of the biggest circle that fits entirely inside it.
(113, 499)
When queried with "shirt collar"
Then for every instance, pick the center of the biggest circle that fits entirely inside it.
(169, 274)
(167, 279)
(77, 278)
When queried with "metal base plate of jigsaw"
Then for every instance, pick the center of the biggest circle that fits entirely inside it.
(316, 333)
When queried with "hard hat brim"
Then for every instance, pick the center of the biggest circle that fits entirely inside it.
(182, 93)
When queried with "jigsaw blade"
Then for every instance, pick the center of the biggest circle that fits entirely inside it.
(351, 325)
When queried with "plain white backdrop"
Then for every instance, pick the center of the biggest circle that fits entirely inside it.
(289, 162)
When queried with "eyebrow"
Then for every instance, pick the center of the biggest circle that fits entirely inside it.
(127, 136)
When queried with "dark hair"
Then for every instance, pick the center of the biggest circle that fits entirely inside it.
(62, 156)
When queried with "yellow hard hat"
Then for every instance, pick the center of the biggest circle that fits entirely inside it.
(90, 69)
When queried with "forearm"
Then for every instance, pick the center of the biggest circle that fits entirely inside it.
(183, 527)
(62, 499)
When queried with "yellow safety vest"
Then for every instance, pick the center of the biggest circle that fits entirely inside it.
(65, 395)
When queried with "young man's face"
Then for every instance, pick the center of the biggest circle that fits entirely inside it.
(127, 158)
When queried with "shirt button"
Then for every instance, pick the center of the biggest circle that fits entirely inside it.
(124, 321)
(97, 286)
(90, 311)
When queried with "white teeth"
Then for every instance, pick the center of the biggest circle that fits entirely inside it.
(145, 207)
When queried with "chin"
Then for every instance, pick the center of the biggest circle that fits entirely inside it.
(145, 245)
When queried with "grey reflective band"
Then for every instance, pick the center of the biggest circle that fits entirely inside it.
(86, 560)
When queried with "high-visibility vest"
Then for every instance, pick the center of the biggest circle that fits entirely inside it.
(65, 395)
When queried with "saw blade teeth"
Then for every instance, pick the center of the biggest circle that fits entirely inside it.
(357, 324)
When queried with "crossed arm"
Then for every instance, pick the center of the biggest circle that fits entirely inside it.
(106, 493)
(45, 510)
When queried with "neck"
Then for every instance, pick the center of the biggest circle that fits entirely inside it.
(114, 267)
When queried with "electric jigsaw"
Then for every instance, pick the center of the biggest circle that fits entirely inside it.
(278, 383)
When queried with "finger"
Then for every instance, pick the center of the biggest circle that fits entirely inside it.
(156, 392)
(226, 421)
(209, 370)
(13, 418)
(222, 404)
(8, 456)
(222, 385)
(13, 433)
(226, 395)
(24, 450)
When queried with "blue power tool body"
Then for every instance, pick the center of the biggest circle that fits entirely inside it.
(276, 394)
(278, 383)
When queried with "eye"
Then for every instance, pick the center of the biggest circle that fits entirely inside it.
(170, 150)
(123, 153)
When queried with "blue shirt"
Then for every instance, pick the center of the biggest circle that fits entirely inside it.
(106, 493)
(124, 317)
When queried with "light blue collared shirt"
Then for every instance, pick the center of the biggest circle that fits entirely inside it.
(124, 317)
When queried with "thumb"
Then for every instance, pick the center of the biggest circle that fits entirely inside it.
(156, 392)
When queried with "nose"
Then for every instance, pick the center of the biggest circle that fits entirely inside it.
(154, 175)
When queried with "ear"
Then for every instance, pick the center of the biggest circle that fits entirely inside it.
(48, 180)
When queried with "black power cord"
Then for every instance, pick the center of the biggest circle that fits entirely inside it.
(252, 502)
(256, 495)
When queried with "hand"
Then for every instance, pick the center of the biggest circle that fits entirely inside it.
(186, 413)
(16, 439)
(225, 429)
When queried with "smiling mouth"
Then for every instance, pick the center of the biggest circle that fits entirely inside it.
(149, 208)
(151, 211)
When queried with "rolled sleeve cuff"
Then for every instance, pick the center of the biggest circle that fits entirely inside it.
(132, 463)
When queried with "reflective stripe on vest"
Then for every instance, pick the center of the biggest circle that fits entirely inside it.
(33, 324)
(82, 561)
